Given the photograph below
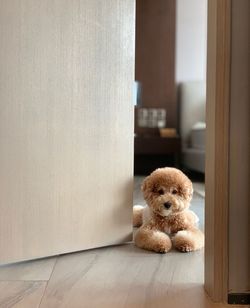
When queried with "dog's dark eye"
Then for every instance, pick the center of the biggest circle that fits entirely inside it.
(161, 192)
(174, 191)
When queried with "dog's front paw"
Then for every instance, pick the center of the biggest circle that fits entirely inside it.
(188, 240)
(161, 249)
(162, 243)
(153, 240)
(185, 247)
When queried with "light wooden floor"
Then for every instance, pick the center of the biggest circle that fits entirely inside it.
(113, 277)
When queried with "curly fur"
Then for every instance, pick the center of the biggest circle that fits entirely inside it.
(166, 219)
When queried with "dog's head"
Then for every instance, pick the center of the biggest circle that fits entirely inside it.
(167, 191)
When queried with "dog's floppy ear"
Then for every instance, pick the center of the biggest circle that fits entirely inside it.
(188, 190)
(148, 187)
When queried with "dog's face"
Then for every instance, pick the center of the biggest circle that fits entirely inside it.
(167, 191)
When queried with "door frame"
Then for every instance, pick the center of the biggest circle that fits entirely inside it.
(217, 149)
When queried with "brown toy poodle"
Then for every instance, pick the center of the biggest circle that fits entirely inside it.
(166, 219)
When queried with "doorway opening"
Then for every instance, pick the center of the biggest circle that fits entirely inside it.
(170, 74)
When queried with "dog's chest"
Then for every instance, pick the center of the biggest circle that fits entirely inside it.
(164, 225)
(170, 225)
(167, 229)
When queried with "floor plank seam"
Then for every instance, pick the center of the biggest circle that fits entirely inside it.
(24, 280)
(47, 282)
(40, 302)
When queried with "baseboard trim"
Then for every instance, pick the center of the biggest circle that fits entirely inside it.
(239, 298)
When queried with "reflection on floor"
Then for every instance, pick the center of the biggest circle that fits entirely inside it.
(111, 277)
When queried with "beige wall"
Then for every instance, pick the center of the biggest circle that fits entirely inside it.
(239, 159)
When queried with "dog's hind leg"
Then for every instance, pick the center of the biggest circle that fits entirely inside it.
(138, 215)
(188, 240)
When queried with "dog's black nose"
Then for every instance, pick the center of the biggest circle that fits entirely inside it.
(167, 205)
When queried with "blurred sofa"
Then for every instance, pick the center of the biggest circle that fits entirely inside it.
(192, 102)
